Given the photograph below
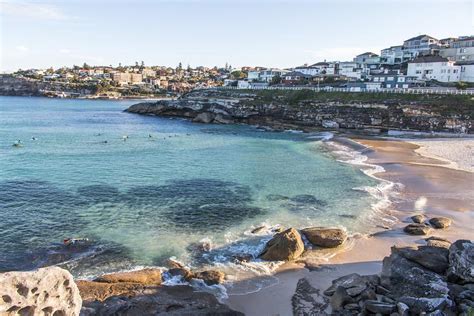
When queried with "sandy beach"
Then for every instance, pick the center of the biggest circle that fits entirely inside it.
(432, 183)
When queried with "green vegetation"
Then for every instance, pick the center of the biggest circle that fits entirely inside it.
(461, 85)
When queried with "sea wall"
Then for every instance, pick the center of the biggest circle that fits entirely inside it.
(308, 110)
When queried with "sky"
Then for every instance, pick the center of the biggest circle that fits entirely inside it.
(55, 33)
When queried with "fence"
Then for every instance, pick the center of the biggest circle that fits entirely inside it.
(356, 89)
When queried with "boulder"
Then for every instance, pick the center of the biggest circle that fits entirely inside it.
(184, 273)
(286, 245)
(210, 277)
(204, 117)
(325, 237)
(438, 242)
(340, 298)
(45, 291)
(258, 230)
(417, 229)
(461, 262)
(144, 276)
(433, 258)
(422, 290)
(440, 222)
(380, 307)
(418, 219)
(308, 300)
(162, 300)
(100, 291)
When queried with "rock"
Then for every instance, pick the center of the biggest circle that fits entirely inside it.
(221, 119)
(440, 222)
(325, 237)
(403, 309)
(418, 219)
(433, 258)
(354, 284)
(417, 229)
(211, 277)
(186, 274)
(204, 117)
(162, 300)
(45, 291)
(286, 245)
(340, 298)
(174, 264)
(308, 300)
(242, 258)
(410, 283)
(438, 242)
(100, 291)
(380, 307)
(145, 276)
(258, 229)
(461, 262)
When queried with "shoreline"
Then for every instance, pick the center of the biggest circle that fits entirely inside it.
(402, 164)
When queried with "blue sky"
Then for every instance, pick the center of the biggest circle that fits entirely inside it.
(37, 34)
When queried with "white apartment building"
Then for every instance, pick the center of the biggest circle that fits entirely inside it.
(350, 69)
(460, 49)
(394, 55)
(467, 70)
(421, 45)
(434, 68)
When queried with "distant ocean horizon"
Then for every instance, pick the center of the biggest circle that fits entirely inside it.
(144, 189)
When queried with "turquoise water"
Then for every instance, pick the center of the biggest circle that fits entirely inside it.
(142, 200)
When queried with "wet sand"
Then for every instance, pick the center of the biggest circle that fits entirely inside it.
(429, 186)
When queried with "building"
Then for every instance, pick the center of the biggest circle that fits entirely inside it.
(467, 70)
(395, 55)
(295, 77)
(307, 70)
(265, 75)
(367, 62)
(124, 78)
(434, 67)
(394, 79)
(459, 49)
(421, 45)
(350, 69)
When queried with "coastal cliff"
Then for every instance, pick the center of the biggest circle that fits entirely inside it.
(308, 110)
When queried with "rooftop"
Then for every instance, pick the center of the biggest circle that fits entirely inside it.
(429, 59)
(419, 37)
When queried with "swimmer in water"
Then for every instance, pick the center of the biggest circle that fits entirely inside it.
(125, 137)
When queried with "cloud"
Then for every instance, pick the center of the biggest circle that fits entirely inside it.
(32, 10)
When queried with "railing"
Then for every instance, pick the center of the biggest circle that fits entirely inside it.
(356, 90)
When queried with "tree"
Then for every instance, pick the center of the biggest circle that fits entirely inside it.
(180, 66)
(86, 66)
(276, 79)
(460, 85)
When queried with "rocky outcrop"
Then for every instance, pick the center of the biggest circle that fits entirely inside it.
(308, 299)
(164, 300)
(284, 246)
(100, 291)
(306, 110)
(145, 276)
(325, 237)
(425, 280)
(46, 291)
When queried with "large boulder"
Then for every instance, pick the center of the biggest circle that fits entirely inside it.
(204, 117)
(45, 291)
(210, 277)
(433, 258)
(438, 242)
(284, 246)
(410, 283)
(417, 229)
(461, 262)
(162, 300)
(418, 219)
(144, 276)
(440, 222)
(325, 237)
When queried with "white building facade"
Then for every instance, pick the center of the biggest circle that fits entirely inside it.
(434, 68)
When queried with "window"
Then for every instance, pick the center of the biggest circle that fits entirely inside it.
(390, 79)
(455, 71)
(418, 72)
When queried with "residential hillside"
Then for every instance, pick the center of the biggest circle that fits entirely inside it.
(309, 110)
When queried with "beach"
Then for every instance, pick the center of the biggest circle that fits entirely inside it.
(425, 185)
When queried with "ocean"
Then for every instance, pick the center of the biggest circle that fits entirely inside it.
(144, 189)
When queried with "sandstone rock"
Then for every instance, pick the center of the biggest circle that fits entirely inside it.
(380, 307)
(45, 291)
(210, 277)
(433, 258)
(286, 245)
(325, 237)
(162, 300)
(186, 274)
(417, 229)
(145, 276)
(418, 219)
(308, 300)
(340, 298)
(461, 262)
(440, 222)
(204, 117)
(100, 291)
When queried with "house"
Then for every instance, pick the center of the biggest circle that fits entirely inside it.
(395, 55)
(434, 67)
(243, 84)
(393, 79)
(350, 70)
(307, 70)
(460, 49)
(295, 77)
(421, 45)
(265, 75)
(368, 62)
(467, 70)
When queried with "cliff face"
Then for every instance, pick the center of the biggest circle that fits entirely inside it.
(307, 110)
